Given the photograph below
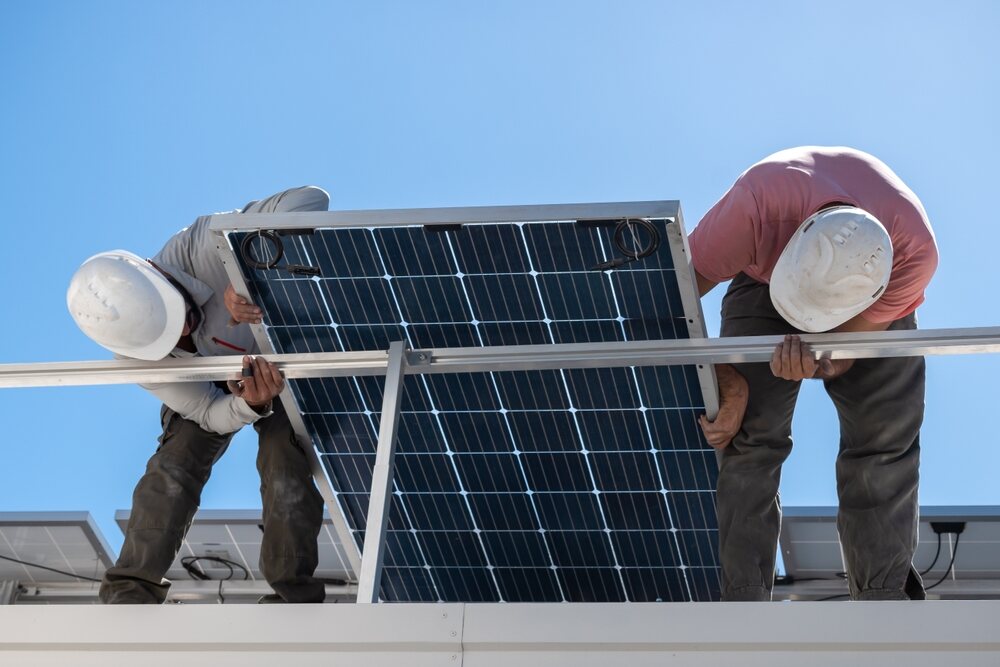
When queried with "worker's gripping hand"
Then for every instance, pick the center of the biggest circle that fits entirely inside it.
(794, 360)
(733, 396)
(240, 309)
(260, 383)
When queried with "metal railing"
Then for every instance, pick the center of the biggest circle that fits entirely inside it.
(397, 362)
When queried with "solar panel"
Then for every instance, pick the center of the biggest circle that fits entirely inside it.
(549, 485)
(810, 548)
(236, 535)
(65, 541)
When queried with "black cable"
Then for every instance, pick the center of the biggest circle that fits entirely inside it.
(634, 253)
(788, 580)
(189, 565)
(838, 575)
(631, 254)
(951, 564)
(50, 569)
(954, 552)
(936, 555)
(246, 250)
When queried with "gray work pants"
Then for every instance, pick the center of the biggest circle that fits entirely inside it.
(167, 496)
(880, 403)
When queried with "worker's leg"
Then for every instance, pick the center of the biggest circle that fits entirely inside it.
(163, 504)
(750, 467)
(881, 407)
(293, 512)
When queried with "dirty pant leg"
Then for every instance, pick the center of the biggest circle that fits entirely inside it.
(881, 407)
(163, 505)
(750, 467)
(293, 512)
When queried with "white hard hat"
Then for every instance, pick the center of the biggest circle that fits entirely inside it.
(126, 305)
(835, 265)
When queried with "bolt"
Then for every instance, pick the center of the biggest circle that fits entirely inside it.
(454, 634)
(445, 615)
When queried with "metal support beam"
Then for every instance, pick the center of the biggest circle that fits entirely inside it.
(756, 634)
(8, 591)
(687, 286)
(865, 345)
(226, 222)
(228, 258)
(369, 582)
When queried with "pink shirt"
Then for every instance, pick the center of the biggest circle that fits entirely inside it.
(748, 228)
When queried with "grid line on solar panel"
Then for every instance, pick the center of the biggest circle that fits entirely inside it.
(344, 484)
(508, 458)
(461, 486)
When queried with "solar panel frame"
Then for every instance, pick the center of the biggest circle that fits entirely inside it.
(63, 540)
(237, 535)
(810, 544)
(628, 578)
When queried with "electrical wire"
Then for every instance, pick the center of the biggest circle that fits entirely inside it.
(788, 580)
(833, 597)
(936, 555)
(951, 564)
(253, 261)
(50, 569)
(189, 565)
(954, 552)
(634, 253)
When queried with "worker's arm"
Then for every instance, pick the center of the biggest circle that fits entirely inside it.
(794, 360)
(306, 198)
(733, 393)
(733, 396)
(219, 412)
(704, 284)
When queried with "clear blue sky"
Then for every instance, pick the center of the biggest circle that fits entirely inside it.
(121, 122)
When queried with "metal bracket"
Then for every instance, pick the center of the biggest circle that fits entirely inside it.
(691, 351)
(370, 580)
(227, 254)
(419, 357)
(8, 591)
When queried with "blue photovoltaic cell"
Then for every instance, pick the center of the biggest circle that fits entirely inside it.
(576, 485)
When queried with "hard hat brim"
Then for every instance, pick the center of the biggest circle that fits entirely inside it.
(174, 306)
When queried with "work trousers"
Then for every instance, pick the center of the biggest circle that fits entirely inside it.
(880, 403)
(167, 496)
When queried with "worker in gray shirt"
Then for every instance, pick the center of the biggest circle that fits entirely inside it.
(180, 303)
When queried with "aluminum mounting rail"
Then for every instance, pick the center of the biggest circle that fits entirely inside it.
(865, 345)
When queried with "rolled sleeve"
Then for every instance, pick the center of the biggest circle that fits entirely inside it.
(305, 198)
(206, 405)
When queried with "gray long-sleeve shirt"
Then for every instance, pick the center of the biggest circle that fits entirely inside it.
(191, 258)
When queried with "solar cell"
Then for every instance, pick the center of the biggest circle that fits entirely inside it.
(578, 485)
(68, 542)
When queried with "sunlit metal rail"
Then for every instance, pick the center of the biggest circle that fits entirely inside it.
(513, 357)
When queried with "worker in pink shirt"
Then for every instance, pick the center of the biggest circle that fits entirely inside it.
(818, 239)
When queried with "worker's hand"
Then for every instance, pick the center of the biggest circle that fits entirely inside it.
(794, 360)
(260, 383)
(733, 396)
(240, 309)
